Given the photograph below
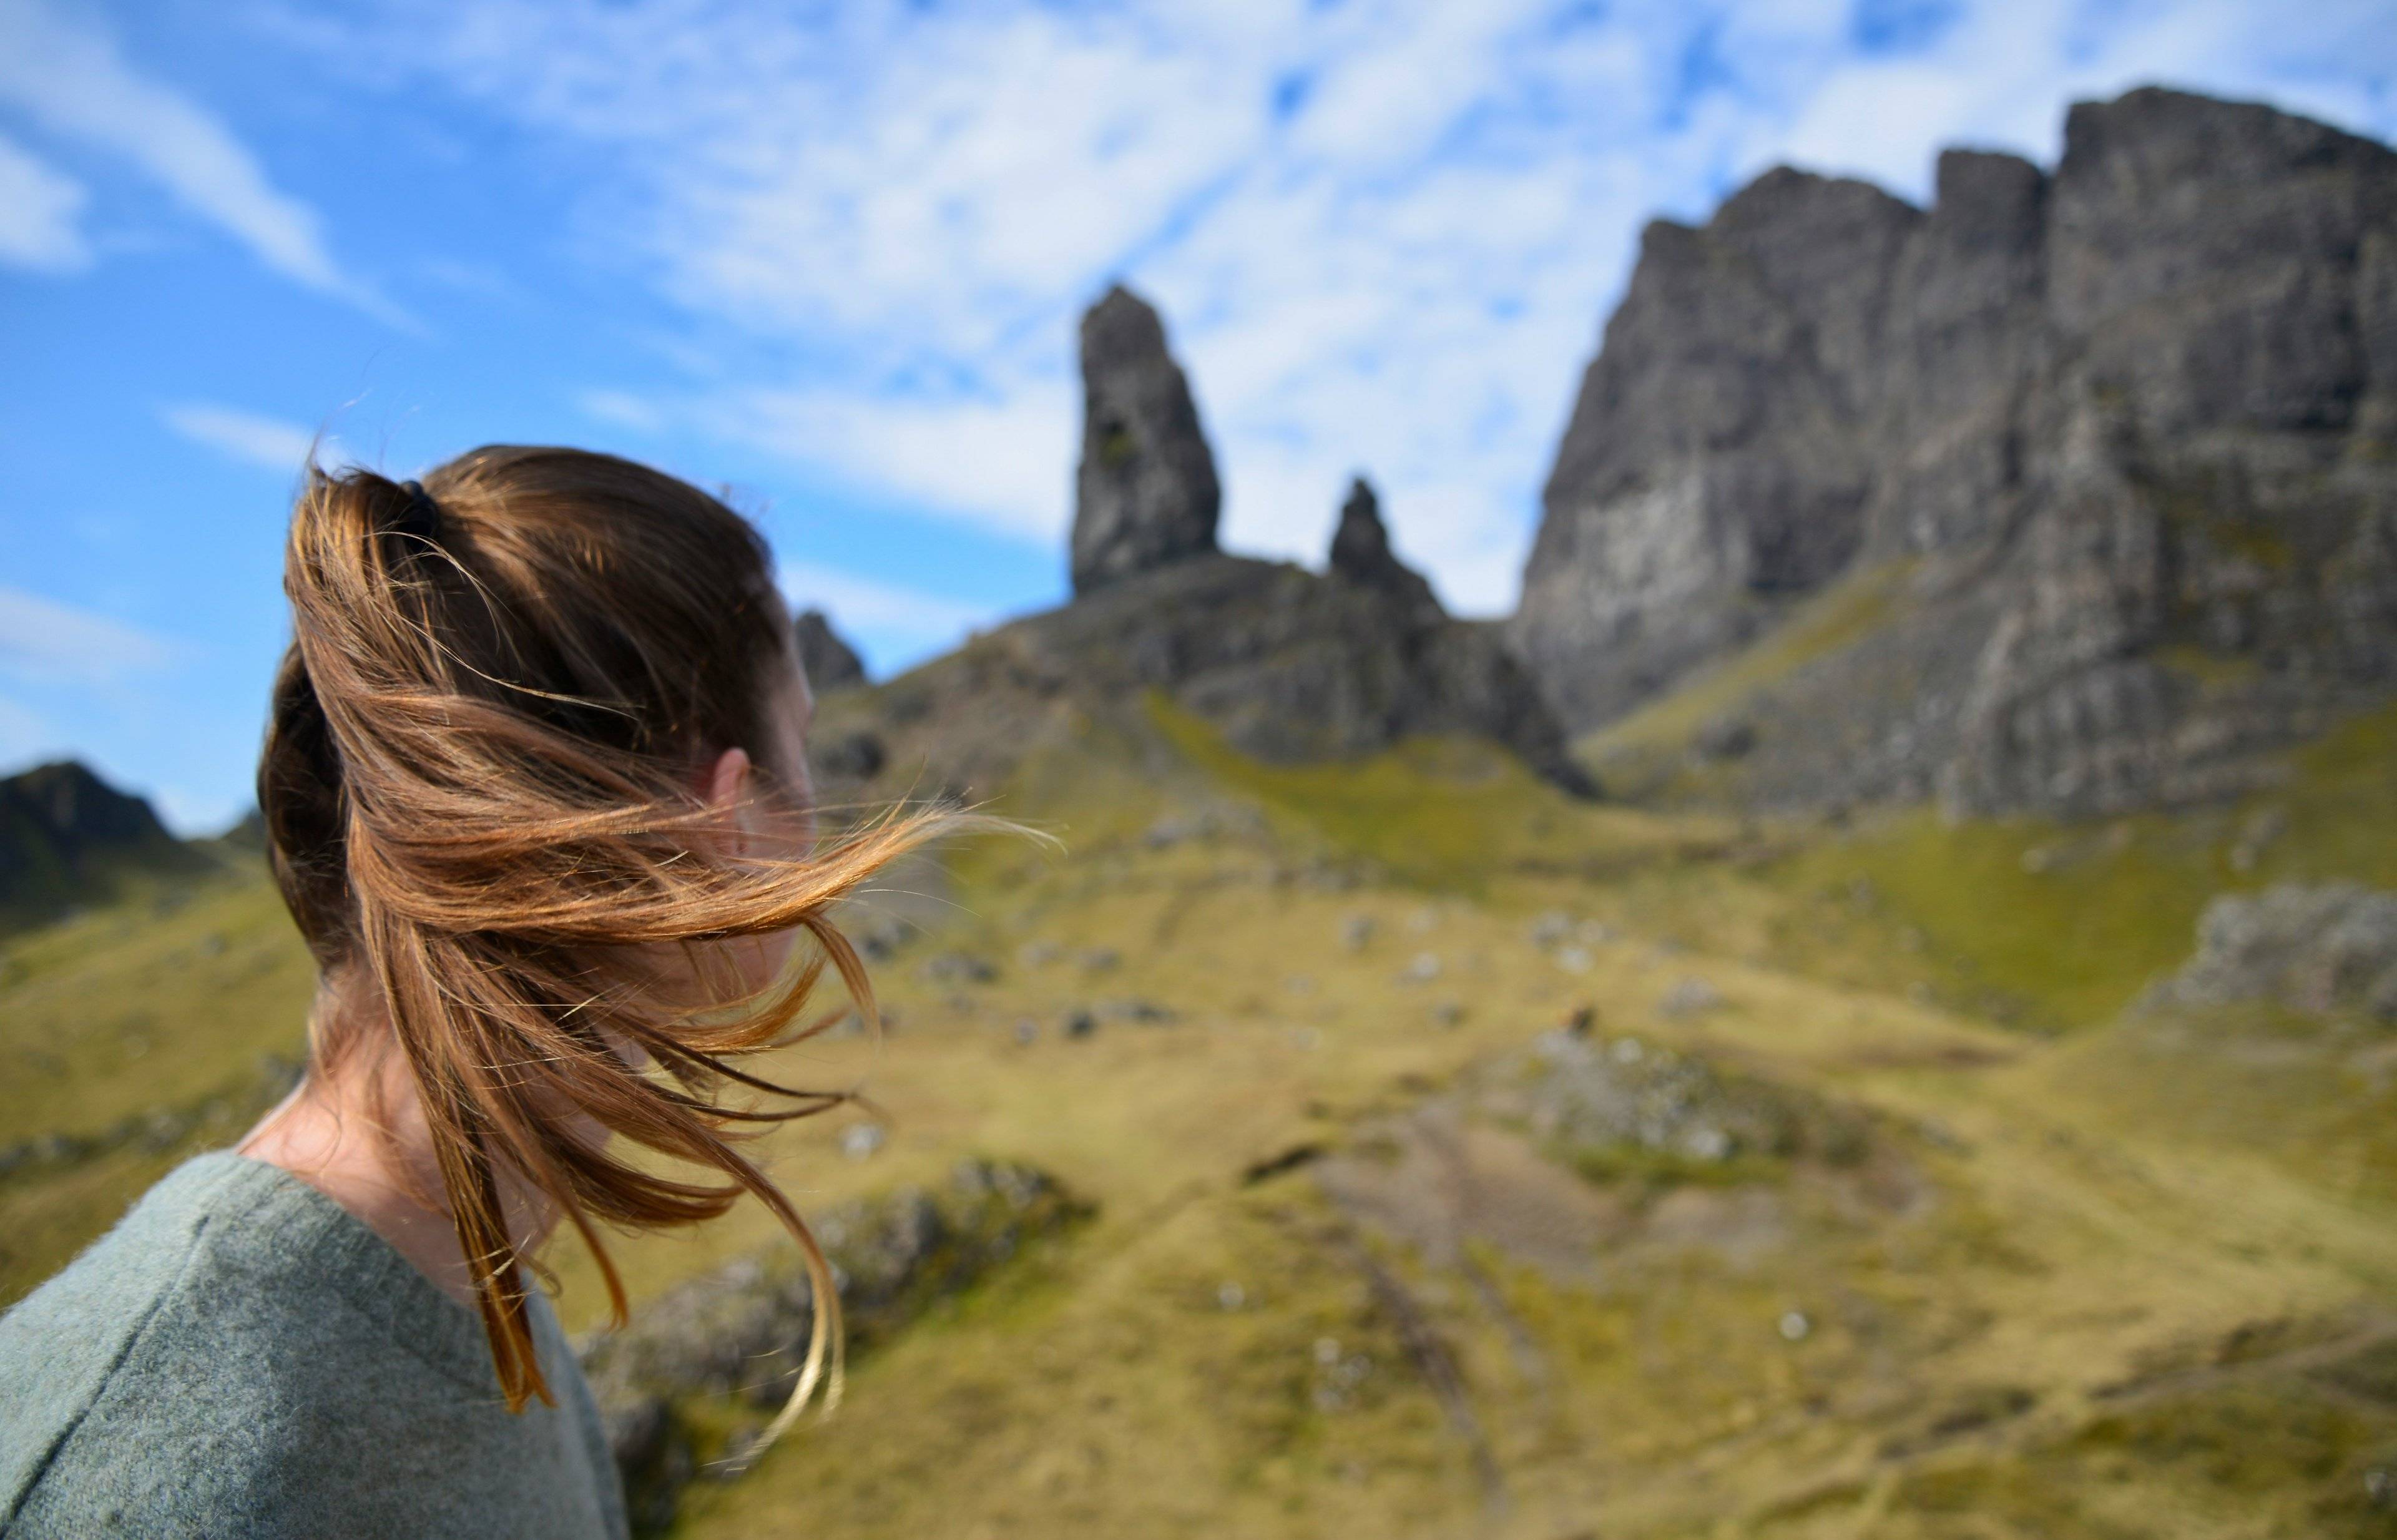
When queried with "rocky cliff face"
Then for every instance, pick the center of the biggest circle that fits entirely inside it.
(1290, 665)
(2121, 443)
(1146, 493)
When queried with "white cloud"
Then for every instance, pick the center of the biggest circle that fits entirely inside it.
(45, 641)
(71, 78)
(1384, 236)
(620, 409)
(1005, 464)
(898, 618)
(40, 213)
(269, 443)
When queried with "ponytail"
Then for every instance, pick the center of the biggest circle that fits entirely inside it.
(475, 785)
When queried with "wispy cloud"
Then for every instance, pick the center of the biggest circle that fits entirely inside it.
(71, 78)
(620, 409)
(1383, 235)
(898, 618)
(269, 443)
(1004, 462)
(45, 641)
(41, 214)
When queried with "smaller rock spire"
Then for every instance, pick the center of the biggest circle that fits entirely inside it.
(829, 663)
(1361, 555)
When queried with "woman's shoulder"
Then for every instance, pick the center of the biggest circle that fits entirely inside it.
(61, 1345)
(231, 1306)
(242, 1355)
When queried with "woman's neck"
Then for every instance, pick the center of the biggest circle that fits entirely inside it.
(360, 1137)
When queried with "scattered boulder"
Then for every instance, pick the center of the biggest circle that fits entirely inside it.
(958, 968)
(1690, 997)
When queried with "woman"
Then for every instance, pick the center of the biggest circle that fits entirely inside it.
(536, 792)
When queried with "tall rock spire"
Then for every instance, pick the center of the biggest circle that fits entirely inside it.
(1146, 493)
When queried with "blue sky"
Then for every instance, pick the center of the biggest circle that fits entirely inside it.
(830, 255)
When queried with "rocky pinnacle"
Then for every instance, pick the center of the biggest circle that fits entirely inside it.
(1146, 493)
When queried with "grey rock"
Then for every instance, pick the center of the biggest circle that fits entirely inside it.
(829, 661)
(1146, 493)
(1690, 997)
(1594, 1101)
(2119, 446)
(2320, 949)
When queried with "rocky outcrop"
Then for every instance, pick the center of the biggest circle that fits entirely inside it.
(2323, 950)
(1290, 666)
(1145, 494)
(728, 1346)
(67, 837)
(2121, 443)
(830, 662)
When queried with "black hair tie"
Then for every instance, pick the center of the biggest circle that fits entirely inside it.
(421, 517)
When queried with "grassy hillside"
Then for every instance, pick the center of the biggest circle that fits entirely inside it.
(2056, 1268)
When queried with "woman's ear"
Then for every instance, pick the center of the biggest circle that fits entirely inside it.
(727, 778)
(728, 789)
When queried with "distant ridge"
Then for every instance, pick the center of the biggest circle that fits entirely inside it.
(68, 837)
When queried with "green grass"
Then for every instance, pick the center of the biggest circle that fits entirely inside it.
(2042, 1299)
(156, 1002)
(2059, 925)
(1824, 624)
(1439, 814)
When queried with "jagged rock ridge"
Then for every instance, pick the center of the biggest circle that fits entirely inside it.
(2129, 431)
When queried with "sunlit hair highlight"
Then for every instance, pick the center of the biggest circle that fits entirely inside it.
(477, 785)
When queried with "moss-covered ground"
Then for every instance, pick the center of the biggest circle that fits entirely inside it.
(2103, 1273)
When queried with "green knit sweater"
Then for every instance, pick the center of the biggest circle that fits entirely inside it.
(241, 1357)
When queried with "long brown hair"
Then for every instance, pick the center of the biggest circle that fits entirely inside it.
(477, 790)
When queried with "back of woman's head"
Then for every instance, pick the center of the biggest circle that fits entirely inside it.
(479, 793)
